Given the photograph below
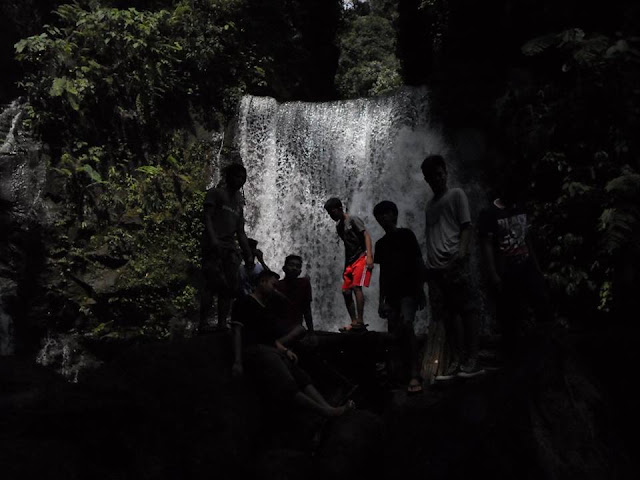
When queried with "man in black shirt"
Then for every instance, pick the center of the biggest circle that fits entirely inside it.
(512, 267)
(401, 285)
(274, 366)
(358, 261)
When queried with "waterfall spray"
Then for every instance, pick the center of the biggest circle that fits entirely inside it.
(299, 154)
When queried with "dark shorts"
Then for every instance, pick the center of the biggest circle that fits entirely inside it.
(222, 272)
(279, 378)
(450, 290)
(402, 314)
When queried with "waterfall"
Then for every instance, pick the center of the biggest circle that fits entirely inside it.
(6, 333)
(65, 354)
(22, 210)
(363, 151)
(9, 118)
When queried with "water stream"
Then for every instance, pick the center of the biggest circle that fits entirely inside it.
(363, 151)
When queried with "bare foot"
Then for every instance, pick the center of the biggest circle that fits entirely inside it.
(339, 411)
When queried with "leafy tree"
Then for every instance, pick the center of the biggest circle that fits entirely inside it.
(368, 64)
(115, 93)
(574, 125)
(127, 100)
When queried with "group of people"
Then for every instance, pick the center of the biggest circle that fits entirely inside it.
(267, 318)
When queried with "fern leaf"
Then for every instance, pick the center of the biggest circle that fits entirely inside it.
(540, 44)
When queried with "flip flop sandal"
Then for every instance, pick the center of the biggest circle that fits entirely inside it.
(354, 327)
(417, 389)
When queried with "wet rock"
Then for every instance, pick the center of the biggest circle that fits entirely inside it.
(352, 447)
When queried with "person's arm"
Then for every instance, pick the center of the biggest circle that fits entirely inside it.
(290, 355)
(532, 252)
(378, 258)
(260, 258)
(209, 209)
(247, 255)
(383, 308)
(308, 319)
(419, 263)
(367, 244)
(464, 220)
(487, 230)
(297, 332)
(465, 240)
(490, 258)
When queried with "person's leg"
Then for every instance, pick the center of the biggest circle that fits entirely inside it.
(471, 333)
(359, 294)
(313, 392)
(510, 312)
(206, 301)
(229, 285)
(455, 336)
(224, 307)
(449, 357)
(537, 294)
(462, 303)
(280, 380)
(303, 400)
(303, 381)
(211, 274)
(408, 307)
(348, 301)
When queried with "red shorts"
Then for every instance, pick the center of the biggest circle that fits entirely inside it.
(357, 274)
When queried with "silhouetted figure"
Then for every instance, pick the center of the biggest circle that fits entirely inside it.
(448, 234)
(223, 227)
(401, 285)
(296, 297)
(258, 346)
(358, 261)
(512, 268)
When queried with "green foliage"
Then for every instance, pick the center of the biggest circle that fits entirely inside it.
(136, 254)
(116, 93)
(576, 127)
(101, 74)
(620, 222)
(368, 65)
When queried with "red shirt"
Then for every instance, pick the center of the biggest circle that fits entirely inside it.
(298, 291)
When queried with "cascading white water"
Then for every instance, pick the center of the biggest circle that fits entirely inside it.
(363, 151)
(9, 118)
(6, 333)
(22, 177)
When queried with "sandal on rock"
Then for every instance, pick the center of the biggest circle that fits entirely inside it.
(354, 327)
(414, 388)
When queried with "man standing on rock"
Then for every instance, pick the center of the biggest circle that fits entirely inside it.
(223, 227)
(448, 235)
(358, 261)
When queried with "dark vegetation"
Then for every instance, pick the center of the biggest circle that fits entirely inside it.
(133, 98)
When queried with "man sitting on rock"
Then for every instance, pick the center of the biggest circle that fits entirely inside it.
(257, 346)
(295, 304)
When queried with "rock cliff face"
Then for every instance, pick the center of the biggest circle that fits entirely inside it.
(164, 411)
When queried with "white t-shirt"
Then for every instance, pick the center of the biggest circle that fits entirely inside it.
(444, 219)
(248, 280)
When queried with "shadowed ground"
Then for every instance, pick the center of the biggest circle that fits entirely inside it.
(171, 410)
